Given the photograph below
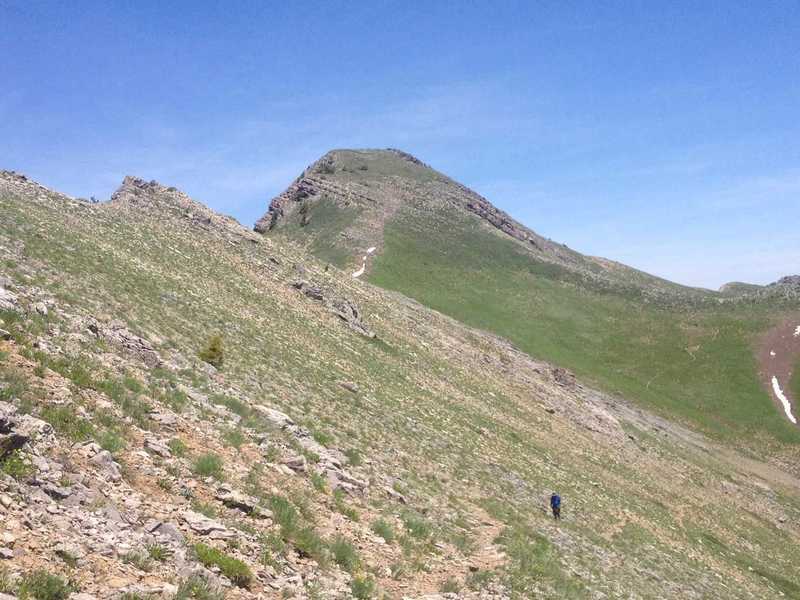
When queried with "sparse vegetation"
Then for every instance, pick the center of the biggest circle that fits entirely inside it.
(384, 529)
(234, 569)
(43, 585)
(15, 465)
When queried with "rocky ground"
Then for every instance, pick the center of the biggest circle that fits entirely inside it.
(351, 443)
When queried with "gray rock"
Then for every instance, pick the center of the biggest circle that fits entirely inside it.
(8, 300)
(205, 526)
(234, 499)
(157, 447)
(56, 491)
(105, 461)
(296, 462)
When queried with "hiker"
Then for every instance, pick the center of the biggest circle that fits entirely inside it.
(555, 504)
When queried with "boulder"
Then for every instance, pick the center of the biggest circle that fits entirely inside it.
(234, 499)
(204, 526)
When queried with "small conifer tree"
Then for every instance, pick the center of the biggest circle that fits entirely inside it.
(213, 352)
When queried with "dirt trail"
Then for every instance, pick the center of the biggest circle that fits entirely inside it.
(487, 556)
(777, 355)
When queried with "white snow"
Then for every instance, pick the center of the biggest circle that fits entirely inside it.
(787, 408)
(772, 352)
(360, 272)
(797, 331)
(363, 268)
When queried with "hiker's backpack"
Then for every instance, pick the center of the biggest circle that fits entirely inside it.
(555, 501)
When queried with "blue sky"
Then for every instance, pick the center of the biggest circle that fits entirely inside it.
(664, 137)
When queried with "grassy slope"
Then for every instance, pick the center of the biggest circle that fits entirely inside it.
(453, 430)
(696, 365)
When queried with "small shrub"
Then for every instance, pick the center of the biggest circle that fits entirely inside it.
(451, 586)
(234, 438)
(307, 542)
(157, 552)
(384, 529)
(234, 569)
(175, 399)
(14, 465)
(139, 559)
(284, 514)
(345, 554)
(322, 437)
(416, 526)
(318, 481)
(197, 587)
(208, 465)
(42, 585)
(66, 421)
(133, 384)
(177, 447)
(353, 456)
(362, 587)
(209, 510)
(165, 484)
(213, 352)
(232, 404)
(342, 507)
(111, 441)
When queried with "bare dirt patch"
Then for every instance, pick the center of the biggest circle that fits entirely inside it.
(777, 355)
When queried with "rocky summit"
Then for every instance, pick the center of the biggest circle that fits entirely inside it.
(193, 409)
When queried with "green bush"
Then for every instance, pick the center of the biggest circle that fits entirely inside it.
(14, 465)
(66, 421)
(157, 552)
(284, 514)
(208, 465)
(42, 585)
(345, 554)
(234, 438)
(416, 526)
(111, 441)
(362, 587)
(384, 529)
(234, 569)
(213, 353)
(307, 542)
(177, 447)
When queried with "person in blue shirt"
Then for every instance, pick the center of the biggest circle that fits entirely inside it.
(555, 505)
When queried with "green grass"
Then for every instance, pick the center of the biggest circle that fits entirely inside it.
(43, 585)
(362, 587)
(15, 466)
(67, 422)
(345, 554)
(694, 363)
(234, 569)
(208, 465)
(384, 529)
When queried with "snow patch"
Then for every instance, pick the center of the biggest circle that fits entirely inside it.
(372, 249)
(363, 268)
(797, 331)
(772, 352)
(787, 408)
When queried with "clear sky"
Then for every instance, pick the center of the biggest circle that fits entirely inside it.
(664, 135)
